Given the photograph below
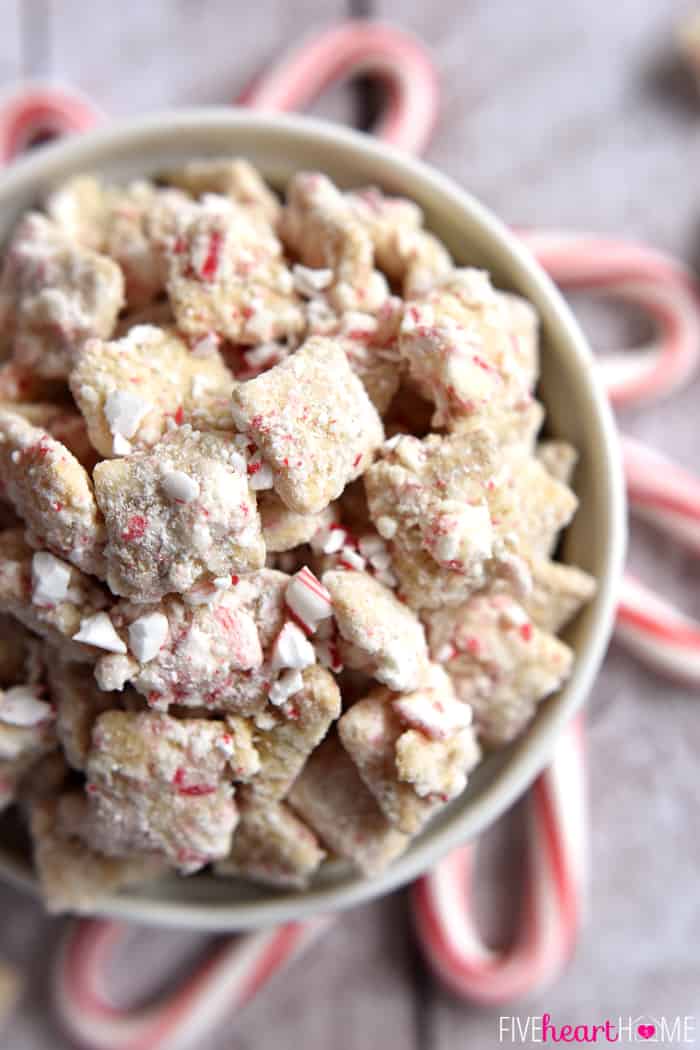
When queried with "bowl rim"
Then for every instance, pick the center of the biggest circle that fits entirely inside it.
(523, 767)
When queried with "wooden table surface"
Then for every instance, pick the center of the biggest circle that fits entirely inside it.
(562, 115)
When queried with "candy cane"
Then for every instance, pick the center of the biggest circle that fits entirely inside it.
(34, 111)
(659, 490)
(662, 493)
(664, 289)
(223, 984)
(655, 630)
(552, 904)
(352, 49)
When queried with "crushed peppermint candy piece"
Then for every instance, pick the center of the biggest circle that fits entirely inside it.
(329, 540)
(98, 630)
(266, 355)
(350, 559)
(180, 486)
(260, 475)
(124, 412)
(50, 579)
(21, 706)
(292, 649)
(288, 683)
(147, 636)
(308, 599)
(120, 446)
(436, 716)
(308, 282)
(328, 654)
(386, 527)
(206, 345)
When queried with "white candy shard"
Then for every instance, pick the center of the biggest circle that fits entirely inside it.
(120, 446)
(98, 630)
(308, 599)
(328, 655)
(50, 579)
(351, 559)
(260, 475)
(329, 540)
(147, 636)
(124, 412)
(288, 683)
(180, 486)
(386, 527)
(21, 706)
(308, 282)
(437, 717)
(292, 649)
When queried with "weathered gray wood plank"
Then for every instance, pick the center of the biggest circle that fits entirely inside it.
(554, 114)
(177, 52)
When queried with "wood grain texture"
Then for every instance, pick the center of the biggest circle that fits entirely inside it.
(565, 115)
(10, 47)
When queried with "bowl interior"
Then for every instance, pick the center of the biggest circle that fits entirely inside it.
(577, 410)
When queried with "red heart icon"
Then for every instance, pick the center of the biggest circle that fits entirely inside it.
(646, 1030)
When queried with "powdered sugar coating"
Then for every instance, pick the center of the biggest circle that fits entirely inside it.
(235, 178)
(499, 661)
(78, 702)
(72, 876)
(378, 633)
(407, 254)
(313, 422)
(54, 295)
(319, 225)
(285, 739)
(158, 543)
(369, 340)
(161, 784)
(558, 593)
(226, 275)
(272, 846)
(51, 492)
(332, 799)
(410, 778)
(458, 347)
(155, 370)
(59, 622)
(283, 529)
(216, 655)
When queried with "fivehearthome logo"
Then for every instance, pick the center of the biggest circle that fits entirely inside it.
(541, 1028)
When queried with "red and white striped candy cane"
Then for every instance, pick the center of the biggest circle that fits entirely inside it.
(658, 490)
(661, 286)
(662, 493)
(352, 49)
(35, 111)
(551, 907)
(232, 976)
(656, 631)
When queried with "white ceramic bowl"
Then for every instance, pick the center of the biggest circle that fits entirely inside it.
(577, 409)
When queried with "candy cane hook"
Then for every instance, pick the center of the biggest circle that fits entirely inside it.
(352, 49)
(232, 976)
(661, 286)
(35, 110)
(552, 903)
